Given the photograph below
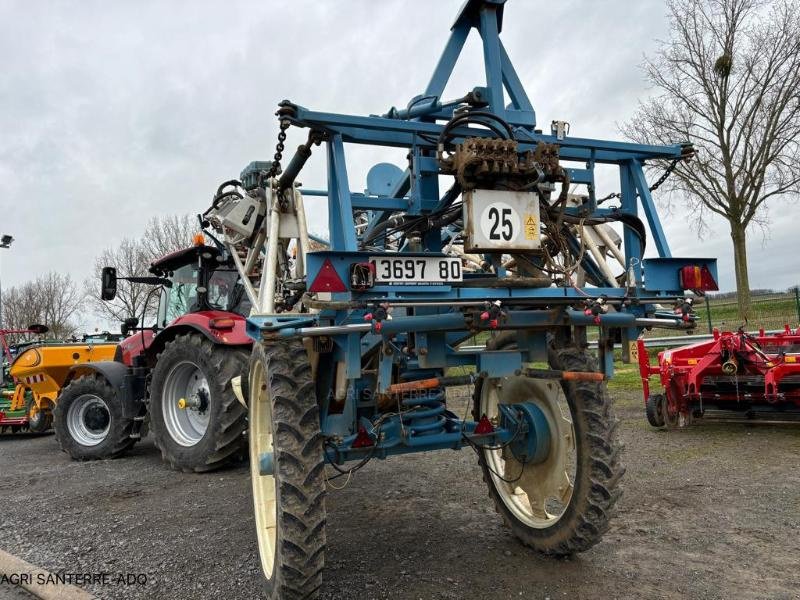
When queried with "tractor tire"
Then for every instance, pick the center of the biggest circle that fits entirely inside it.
(289, 503)
(654, 408)
(209, 433)
(41, 421)
(581, 496)
(89, 421)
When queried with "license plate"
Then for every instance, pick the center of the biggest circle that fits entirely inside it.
(416, 270)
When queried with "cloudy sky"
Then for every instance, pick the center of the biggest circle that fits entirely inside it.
(111, 112)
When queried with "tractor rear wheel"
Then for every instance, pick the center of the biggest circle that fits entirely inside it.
(89, 420)
(289, 492)
(561, 505)
(654, 409)
(40, 419)
(195, 418)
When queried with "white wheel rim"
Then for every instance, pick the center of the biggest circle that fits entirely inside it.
(88, 420)
(541, 492)
(265, 505)
(188, 425)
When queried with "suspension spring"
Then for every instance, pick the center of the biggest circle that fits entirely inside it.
(425, 414)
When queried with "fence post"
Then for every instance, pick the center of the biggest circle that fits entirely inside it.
(797, 302)
(708, 315)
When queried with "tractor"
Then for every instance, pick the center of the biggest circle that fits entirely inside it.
(173, 378)
(355, 347)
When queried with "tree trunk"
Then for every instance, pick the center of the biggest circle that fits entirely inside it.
(739, 237)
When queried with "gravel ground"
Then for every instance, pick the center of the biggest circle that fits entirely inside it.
(709, 512)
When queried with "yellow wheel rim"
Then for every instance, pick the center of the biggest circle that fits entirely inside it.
(264, 498)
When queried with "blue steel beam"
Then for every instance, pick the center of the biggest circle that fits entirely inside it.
(519, 99)
(631, 242)
(448, 59)
(650, 211)
(342, 232)
(405, 134)
(491, 59)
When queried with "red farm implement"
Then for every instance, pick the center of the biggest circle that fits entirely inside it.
(734, 375)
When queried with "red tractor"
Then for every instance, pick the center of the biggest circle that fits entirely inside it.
(174, 377)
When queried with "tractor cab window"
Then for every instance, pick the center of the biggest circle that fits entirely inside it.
(225, 292)
(181, 298)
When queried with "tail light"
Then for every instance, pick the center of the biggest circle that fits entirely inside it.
(327, 279)
(697, 279)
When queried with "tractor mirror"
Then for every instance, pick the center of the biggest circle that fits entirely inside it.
(38, 329)
(109, 283)
(128, 324)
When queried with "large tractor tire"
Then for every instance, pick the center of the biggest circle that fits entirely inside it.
(195, 418)
(89, 420)
(40, 419)
(289, 498)
(561, 505)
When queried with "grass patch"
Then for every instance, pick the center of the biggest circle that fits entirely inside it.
(626, 378)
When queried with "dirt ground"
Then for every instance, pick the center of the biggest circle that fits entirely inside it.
(708, 512)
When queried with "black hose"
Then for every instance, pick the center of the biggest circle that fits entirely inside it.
(476, 117)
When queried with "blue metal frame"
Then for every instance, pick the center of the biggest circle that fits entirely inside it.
(437, 318)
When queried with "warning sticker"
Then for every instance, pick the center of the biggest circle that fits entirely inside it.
(531, 227)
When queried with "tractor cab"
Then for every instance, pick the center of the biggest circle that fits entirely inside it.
(202, 279)
(200, 293)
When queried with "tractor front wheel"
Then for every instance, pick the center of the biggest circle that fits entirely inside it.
(196, 420)
(286, 465)
(562, 503)
(89, 420)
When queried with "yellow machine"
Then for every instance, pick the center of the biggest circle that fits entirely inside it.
(41, 371)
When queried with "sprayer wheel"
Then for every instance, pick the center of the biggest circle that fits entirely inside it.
(289, 502)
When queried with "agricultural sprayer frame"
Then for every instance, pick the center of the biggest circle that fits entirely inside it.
(369, 379)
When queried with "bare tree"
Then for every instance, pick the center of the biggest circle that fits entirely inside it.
(168, 233)
(52, 299)
(129, 259)
(728, 80)
(164, 234)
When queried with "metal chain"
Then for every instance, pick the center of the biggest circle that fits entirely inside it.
(667, 172)
(275, 169)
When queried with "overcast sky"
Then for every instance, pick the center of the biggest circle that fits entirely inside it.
(111, 112)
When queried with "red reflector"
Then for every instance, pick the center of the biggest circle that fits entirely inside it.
(222, 323)
(698, 279)
(484, 426)
(327, 280)
(362, 439)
